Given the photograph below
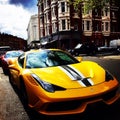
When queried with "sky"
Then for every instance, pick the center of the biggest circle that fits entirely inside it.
(15, 16)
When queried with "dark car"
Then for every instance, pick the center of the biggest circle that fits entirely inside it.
(110, 50)
(88, 49)
(6, 57)
(4, 49)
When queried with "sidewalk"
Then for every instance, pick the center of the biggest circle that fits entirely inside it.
(111, 57)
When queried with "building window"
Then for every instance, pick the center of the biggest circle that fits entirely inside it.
(106, 26)
(41, 32)
(96, 12)
(96, 27)
(53, 12)
(106, 12)
(62, 6)
(83, 25)
(40, 8)
(113, 27)
(47, 18)
(68, 24)
(113, 14)
(47, 3)
(63, 25)
(87, 25)
(47, 30)
(53, 27)
(67, 6)
(76, 26)
(102, 26)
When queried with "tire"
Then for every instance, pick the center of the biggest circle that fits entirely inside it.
(14, 86)
(5, 71)
(11, 80)
(23, 92)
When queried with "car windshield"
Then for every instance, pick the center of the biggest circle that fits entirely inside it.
(48, 58)
(13, 54)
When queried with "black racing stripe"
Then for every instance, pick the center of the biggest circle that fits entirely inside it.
(86, 82)
(77, 75)
(72, 72)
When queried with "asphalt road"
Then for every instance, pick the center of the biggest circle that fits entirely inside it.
(11, 107)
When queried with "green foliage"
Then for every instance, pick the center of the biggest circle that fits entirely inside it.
(89, 4)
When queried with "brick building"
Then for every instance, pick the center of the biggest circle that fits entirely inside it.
(60, 26)
(14, 42)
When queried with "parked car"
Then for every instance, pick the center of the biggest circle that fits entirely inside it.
(105, 49)
(53, 82)
(3, 50)
(88, 49)
(115, 43)
(6, 57)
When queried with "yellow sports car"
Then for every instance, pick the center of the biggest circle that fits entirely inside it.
(55, 83)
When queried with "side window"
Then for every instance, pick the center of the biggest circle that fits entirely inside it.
(21, 60)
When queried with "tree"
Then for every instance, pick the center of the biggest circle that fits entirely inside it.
(89, 4)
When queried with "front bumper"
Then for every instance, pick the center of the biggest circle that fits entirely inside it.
(77, 100)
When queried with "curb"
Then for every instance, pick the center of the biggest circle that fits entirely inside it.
(111, 57)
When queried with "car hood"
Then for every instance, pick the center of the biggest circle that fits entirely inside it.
(82, 74)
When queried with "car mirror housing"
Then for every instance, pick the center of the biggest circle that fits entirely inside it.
(13, 67)
(79, 58)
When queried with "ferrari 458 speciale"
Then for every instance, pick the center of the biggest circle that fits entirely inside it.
(55, 83)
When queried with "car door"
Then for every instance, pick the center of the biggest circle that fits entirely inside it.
(17, 69)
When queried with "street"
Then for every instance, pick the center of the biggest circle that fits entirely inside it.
(11, 107)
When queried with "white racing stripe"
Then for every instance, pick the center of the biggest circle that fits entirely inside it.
(74, 74)
(91, 82)
(68, 74)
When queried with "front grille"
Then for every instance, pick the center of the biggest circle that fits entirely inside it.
(74, 104)
(67, 105)
(109, 95)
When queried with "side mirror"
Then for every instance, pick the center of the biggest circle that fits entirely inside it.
(79, 58)
(13, 67)
(11, 61)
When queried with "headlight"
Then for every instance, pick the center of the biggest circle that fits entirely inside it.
(45, 85)
(108, 76)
